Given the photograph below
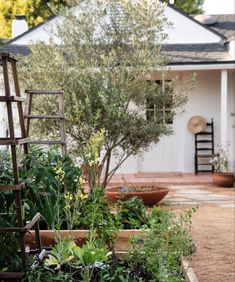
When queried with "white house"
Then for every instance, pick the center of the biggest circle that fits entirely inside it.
(193, 47)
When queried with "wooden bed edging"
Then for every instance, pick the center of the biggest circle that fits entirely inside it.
(188, 271)
(48, 237)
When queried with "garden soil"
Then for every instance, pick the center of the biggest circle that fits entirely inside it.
(213, 233)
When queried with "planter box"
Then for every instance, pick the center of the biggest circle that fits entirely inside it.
(122, 245)
(48, 237)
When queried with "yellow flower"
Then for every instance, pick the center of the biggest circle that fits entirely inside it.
(67, 207)
(81, 180)
(68, 196)
(59, 171)
(83, 196)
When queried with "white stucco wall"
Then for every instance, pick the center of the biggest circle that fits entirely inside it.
(176, 153)
(186, 31)
(204, 100)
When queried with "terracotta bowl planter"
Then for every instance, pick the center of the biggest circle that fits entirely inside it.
(223, 179)
(151, 194)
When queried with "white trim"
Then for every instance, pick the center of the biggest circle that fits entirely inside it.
(224, 107)
(192, 67)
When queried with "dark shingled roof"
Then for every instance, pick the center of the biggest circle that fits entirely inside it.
(185, 53)
(17, 49)
(180, 53)
(225, 25)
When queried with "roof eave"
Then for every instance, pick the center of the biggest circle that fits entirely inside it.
(203, 65)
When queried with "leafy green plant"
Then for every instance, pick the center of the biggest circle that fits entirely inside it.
(43, 273)
(49, 177)
(90, 256)
(61, 254)
(158, 258)
(9, 258)
(116, 271)
(132, 213)
(67, 257)
(74, 204)
(97, 216)
(6, 172)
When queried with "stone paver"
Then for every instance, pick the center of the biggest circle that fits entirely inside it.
(191, 195)
(227, 205)
(192, 192)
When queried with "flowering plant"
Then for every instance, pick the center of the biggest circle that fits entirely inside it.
(220, 162)
(90, 154)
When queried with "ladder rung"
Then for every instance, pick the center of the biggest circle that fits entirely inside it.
(206, 170)
(11, 99)
(206, 156)
(204, 133)
(8, 55)
(44, 117)
(204, 149)
(17, 141)
(10, 229)
(13, 187)
(205, 164)
(204, 141)
(47, 142)
(42, 92)
(11, 275)
(31, 223)
(23, 229)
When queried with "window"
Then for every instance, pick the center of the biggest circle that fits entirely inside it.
(159, 105)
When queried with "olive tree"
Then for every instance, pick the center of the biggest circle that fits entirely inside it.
(106, 56)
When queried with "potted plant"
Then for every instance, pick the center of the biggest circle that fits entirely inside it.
(151, 193)
(222, 177)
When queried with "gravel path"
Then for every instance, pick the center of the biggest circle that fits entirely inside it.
(213, 229)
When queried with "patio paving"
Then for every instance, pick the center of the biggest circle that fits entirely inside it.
(188, 195)
(164, 178)
(191, 195)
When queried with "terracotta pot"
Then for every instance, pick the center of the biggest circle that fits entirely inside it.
(48, 237)
(223, 179)
(151, 197)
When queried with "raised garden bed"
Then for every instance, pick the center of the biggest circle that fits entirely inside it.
(80, 237)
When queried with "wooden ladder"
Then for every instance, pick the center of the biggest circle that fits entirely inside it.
(28, 116)
(13, 142)
(204, 149)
